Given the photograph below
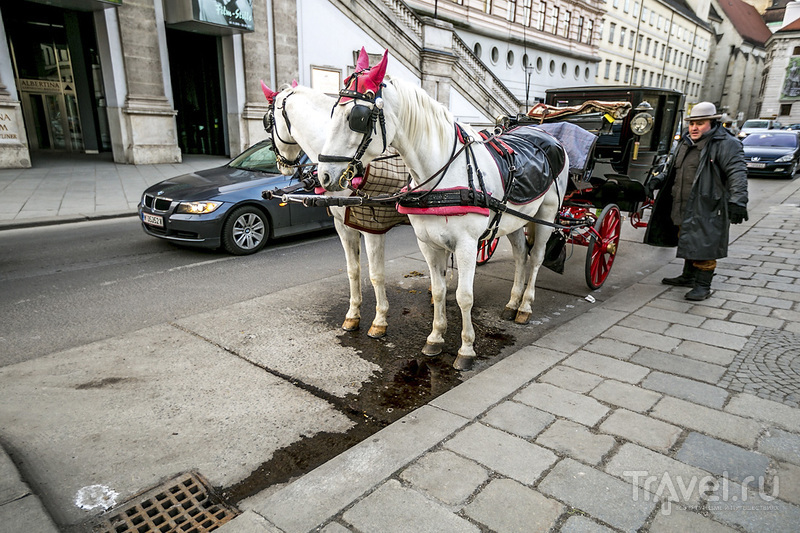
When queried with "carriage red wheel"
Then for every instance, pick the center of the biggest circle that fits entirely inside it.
(485, 251)
(603, 247)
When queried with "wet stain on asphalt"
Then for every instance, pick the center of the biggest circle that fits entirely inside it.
(407, 381)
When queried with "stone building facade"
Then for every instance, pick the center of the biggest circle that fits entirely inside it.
(150, 80)
(733, 76)
(656, 43)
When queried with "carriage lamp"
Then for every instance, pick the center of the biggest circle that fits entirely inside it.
(197, 208)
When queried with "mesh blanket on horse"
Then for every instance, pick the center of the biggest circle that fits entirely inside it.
(537, 157)
(383, 176)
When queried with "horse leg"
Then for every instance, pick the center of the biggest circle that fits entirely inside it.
(520, 254)
(437, 265)
(541, 235)
(351, 242)
(376, 246)
(465, 256)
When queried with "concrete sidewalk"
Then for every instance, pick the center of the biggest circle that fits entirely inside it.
(72, 187)
(649, 413)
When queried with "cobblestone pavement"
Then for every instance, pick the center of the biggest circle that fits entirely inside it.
(651, 414)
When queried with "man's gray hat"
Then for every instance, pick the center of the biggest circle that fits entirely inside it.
(703, 111)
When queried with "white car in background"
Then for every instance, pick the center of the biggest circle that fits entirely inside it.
(758, 125)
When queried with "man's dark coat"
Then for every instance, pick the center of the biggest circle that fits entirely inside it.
(721, 178)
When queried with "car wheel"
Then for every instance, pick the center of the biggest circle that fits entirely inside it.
(246, 231)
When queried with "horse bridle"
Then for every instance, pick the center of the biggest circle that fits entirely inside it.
(270, 126)
(362, 120)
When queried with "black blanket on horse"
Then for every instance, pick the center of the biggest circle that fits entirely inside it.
(536, 156)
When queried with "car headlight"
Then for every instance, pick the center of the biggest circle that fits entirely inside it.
(784, 159)
(197, 208)
(742, 135)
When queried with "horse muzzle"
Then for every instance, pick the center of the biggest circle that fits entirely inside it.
(335, 178)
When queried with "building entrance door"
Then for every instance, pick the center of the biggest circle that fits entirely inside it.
(51, 115)
(194, 65)
(57, 72)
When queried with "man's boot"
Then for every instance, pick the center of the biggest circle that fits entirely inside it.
(686, 279)
(702, 286)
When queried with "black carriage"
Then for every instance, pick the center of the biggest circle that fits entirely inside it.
(633, 132)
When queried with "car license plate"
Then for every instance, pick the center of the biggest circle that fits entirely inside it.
(756, 165)
(154, 220)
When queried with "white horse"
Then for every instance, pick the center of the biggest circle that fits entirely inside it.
(300, 116)
(424, 133)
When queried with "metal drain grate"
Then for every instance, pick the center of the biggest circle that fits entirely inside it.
(185, 504)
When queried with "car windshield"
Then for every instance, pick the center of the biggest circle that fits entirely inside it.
(771, 139)
(259, 157)
(756, 124)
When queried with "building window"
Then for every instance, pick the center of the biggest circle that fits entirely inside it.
(554, 20)
(796, 51)
(632, 39)
(542, 12)
(786, 109)
(627, 74)
(644, 13)
(650, 83)
(647, 47)
(477, 50)
(636, 76)
(639, 43)
(511, 12)
(652, 17)
(663, 47)
(608, 69)
(589, 30)
(627, 6)
(526, 12)
(487, 6)
(579, 30)
(622, 36)
(567, 22)
(611, 29)
(616, 4)
(636, 9)
(618, 70)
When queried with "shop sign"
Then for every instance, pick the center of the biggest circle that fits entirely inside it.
(9, 130)
(234, 14)
(226, 16)
(40, 86)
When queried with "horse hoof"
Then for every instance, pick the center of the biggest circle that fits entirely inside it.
(508, 314)
(463, 362)
(522, 317)
(350, 324)
(432, 348)
(376, 332)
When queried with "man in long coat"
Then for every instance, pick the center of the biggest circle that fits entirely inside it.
(703, 191)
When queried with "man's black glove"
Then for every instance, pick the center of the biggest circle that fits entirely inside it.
(655, 182)
(737, 213)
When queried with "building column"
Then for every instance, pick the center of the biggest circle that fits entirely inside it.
(437, 59)
(258, 65)
(146, 119)
(14, 151)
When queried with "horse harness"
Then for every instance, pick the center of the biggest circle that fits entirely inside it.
(269, 125)
(363, 120)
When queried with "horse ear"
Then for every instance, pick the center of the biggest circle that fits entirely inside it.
(363, 60)
(269, 93)
(376, 74)
(294, 84)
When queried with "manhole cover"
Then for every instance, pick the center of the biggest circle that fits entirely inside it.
(768, 366)
(184, 504)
